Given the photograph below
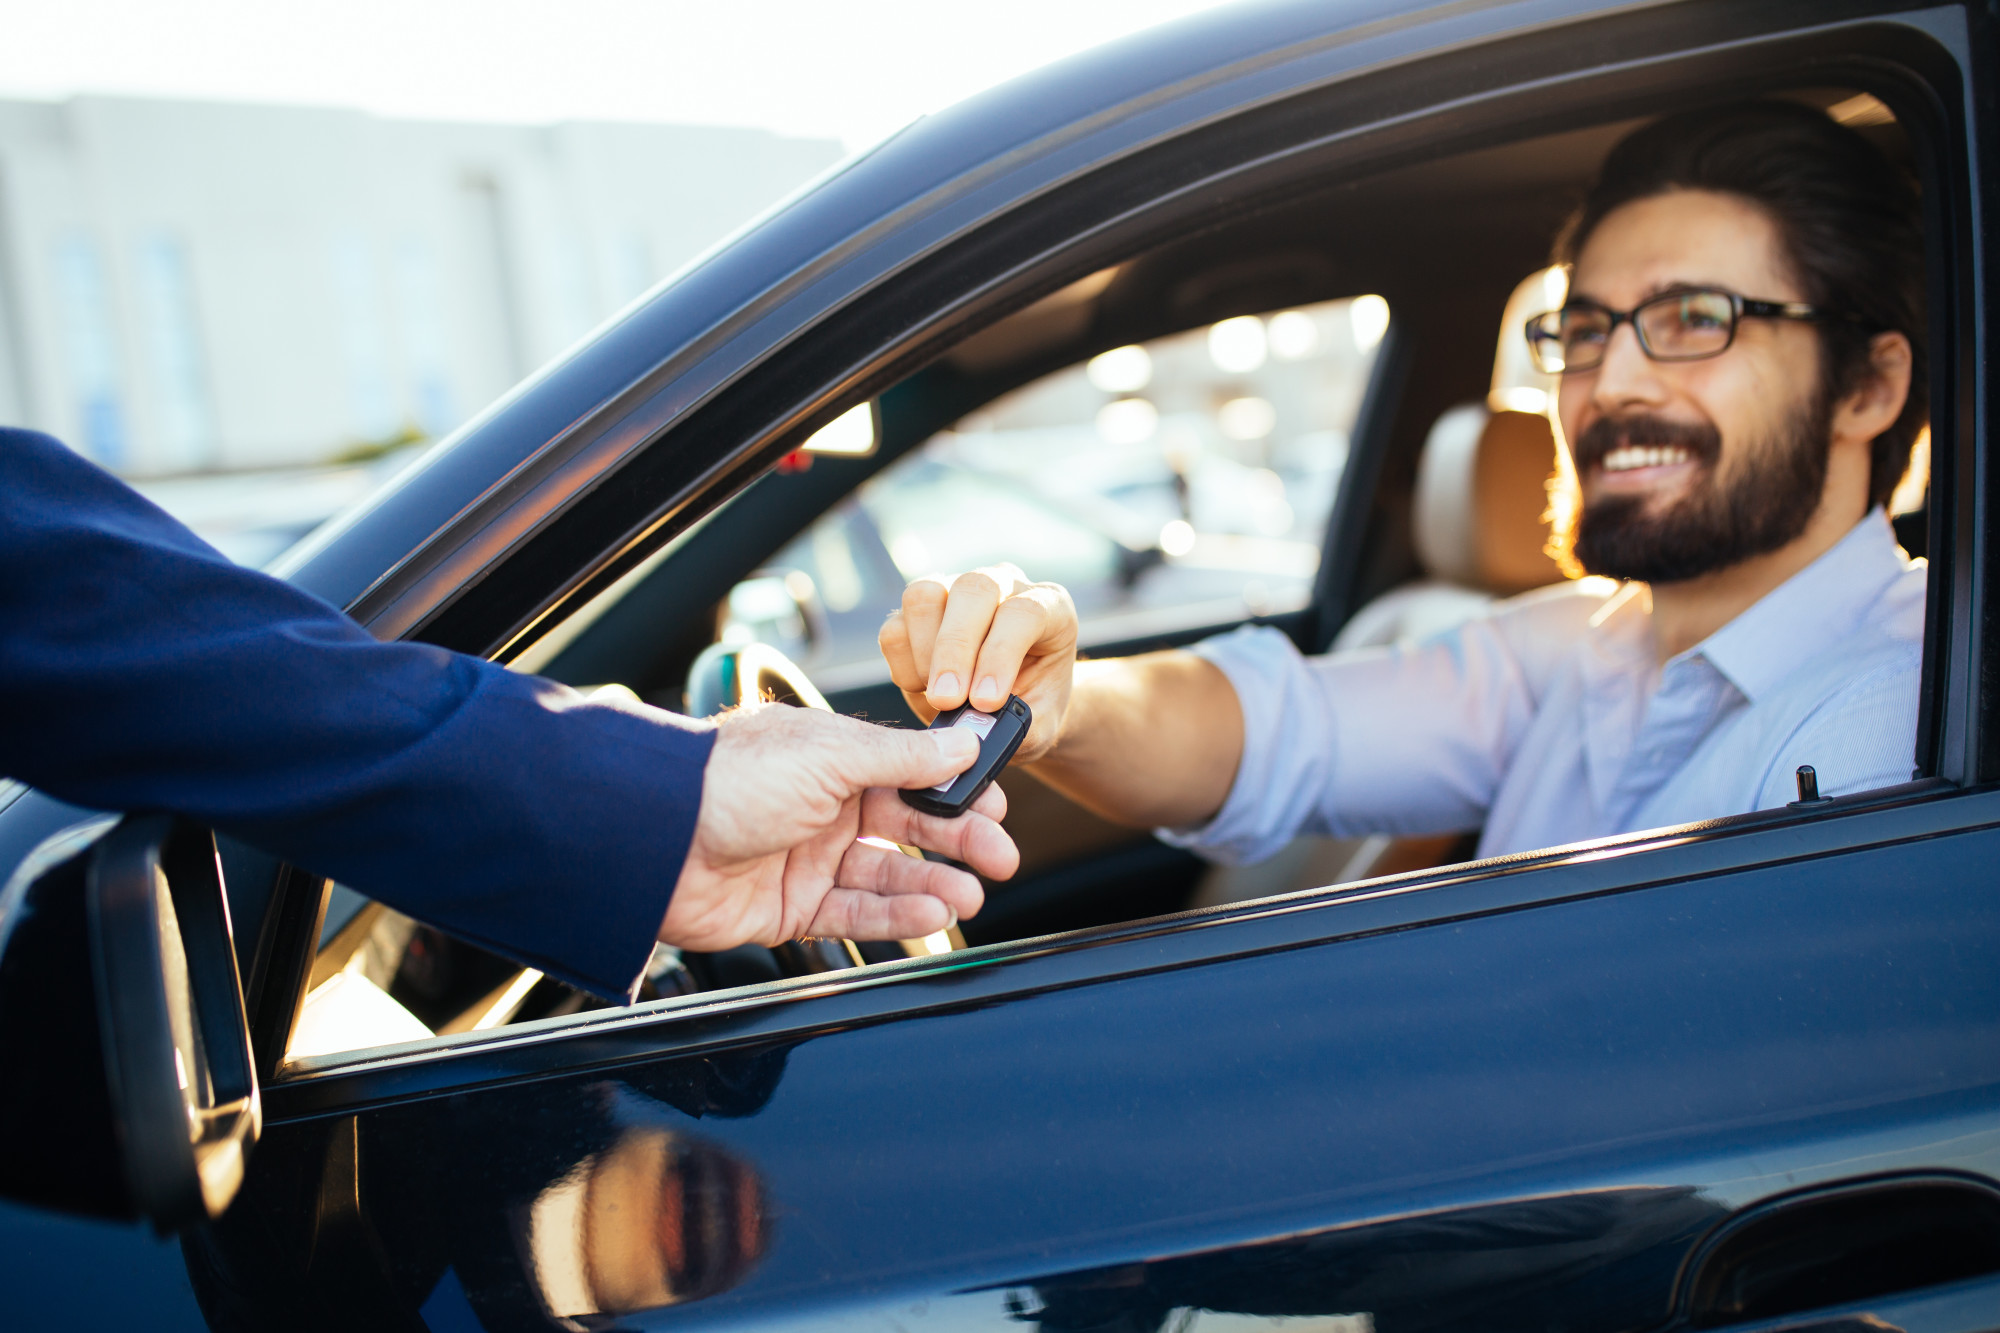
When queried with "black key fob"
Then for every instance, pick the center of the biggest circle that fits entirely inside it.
(1000, 734)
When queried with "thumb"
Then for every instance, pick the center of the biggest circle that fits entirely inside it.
(885, 757)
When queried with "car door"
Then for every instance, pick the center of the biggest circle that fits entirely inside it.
(1552, 1094)
(1595, 1088)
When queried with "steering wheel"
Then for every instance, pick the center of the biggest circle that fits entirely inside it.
(725, 676)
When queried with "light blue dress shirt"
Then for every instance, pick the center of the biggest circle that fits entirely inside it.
(1549, 721)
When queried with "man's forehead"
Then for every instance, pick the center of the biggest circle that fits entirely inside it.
(1686, 238)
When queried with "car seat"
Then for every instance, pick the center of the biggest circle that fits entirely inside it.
(1482, 491)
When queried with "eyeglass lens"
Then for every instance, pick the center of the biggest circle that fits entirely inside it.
(1679, 326)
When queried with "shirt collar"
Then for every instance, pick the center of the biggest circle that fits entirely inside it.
(1809, 613)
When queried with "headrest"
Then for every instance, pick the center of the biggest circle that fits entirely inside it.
(1482, 488)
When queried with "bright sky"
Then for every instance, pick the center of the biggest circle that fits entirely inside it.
(848, 69)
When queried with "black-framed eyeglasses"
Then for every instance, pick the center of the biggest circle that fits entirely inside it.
(1684, 325)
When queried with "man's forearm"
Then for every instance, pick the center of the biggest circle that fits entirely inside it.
(1152, 741)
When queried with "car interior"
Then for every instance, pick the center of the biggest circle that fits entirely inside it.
(1317, 414)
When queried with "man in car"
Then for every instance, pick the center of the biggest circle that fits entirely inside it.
(140, 669)
(1742, 362)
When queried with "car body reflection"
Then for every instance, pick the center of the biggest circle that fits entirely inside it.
(558, 1205)
(1523, 1264)
(656, 1219)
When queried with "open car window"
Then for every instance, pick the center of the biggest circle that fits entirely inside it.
(1178, 483)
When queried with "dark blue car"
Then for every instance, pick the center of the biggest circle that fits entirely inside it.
(1739, 1074)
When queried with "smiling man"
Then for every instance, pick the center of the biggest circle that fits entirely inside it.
(1742, 367)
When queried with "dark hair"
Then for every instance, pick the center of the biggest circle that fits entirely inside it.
(1849, 220)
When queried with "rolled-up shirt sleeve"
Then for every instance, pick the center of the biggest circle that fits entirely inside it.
(1288, 749)
(1407, 740)
(140, 669)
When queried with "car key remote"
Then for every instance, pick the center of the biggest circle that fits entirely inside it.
(1000, 734)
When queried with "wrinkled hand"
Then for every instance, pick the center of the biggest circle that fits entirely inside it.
(982, 636)
(775, 857)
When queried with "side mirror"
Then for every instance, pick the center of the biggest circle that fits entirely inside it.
(779, 607)
(855, 433)
(122, 1029)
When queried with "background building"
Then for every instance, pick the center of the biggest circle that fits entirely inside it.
(190, 287)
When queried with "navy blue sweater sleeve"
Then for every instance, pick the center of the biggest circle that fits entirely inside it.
(140, 669)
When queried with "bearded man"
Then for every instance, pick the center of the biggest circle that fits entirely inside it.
(1741, 360)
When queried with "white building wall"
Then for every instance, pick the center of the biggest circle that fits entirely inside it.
(187, 286)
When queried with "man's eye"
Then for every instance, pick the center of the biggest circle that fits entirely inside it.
(1703, 316)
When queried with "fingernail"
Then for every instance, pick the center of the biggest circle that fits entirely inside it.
(989, 688)
(955, 743)
(952, 912)
(946, 685)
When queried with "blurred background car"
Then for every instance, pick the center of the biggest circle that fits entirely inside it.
(1178, 482)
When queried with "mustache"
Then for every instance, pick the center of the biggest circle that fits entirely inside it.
(1702, 441)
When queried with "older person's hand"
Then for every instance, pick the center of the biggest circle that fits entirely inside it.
(786, 796)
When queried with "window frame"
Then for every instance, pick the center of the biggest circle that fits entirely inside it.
(1926, 90)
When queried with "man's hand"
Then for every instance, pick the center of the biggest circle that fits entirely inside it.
(982, 636)
(1148, 741)
(775, 857)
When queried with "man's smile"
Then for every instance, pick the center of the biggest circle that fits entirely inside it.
(1640, 469)
(1635, 456)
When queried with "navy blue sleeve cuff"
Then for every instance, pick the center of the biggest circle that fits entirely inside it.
(536, 824)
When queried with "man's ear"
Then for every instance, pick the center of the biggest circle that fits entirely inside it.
(1877, 398)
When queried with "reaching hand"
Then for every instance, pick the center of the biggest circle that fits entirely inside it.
(775, 857)
(982, 636)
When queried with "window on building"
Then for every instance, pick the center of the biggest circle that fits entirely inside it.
(185, 416)
(576, 295)
(371, 394)
(91, 349)
(631, 266)
(420, 317)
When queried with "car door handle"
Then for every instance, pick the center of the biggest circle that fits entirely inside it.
(1959, 1307)
(1916, 1252)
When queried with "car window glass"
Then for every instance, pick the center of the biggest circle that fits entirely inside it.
(1179, 483)
(380, 978)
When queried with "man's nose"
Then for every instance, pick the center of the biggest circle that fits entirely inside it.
(1627, 376)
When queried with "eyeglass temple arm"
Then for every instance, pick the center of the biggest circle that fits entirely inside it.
(1780, 309)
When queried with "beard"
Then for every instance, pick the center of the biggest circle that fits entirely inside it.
(1769, 502)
